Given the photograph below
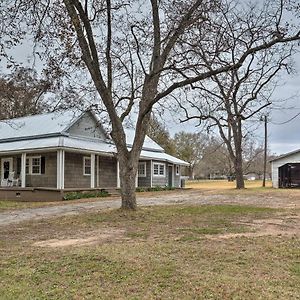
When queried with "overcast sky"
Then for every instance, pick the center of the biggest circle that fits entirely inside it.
(286, 137)
(282, 138)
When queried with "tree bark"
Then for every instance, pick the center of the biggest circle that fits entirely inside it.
(240, 183)
(238, 162)
(128, 172)
(191, 172)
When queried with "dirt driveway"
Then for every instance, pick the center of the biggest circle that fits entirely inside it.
(183, 197)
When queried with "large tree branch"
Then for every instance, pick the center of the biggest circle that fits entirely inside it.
(108, 47)
(208, 74)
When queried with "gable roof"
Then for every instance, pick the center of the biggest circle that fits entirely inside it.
(285, 155)
(48, 124)
(56, 124)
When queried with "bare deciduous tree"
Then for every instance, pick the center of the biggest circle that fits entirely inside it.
(160, 134)
(228, 100)
(190, 147)
(22, 94)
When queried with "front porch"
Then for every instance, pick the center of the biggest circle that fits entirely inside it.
(49, 175)
(59, 170)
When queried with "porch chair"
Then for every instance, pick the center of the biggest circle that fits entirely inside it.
(11, 181)
(4, 182)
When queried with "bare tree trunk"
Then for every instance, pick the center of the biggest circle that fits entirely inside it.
(128, 172)
(265, 151)
(238, 165)
(191, 172)
(238, 162)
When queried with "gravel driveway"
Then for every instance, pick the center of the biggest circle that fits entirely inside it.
(177, 197)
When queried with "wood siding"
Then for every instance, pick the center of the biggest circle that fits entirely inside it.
(107, 172)
(86, 126)
(74, 171)
(145, 181)
(49, 178)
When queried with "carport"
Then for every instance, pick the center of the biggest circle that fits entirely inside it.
(289, 175)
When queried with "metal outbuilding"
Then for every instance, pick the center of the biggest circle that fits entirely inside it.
(286, 170)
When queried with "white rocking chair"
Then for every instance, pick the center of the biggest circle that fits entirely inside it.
(11, 180)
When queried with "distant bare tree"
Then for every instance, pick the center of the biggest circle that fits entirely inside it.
(215, 160)
(190, 147)
(22, 94)
(160, 134)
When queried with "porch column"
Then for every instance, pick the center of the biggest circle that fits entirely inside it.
(97, 172)
(118, 174)
(92, 171)
(23, 170)
(151, 173)
(60, 183)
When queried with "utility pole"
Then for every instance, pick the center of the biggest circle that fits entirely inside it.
(265, 150)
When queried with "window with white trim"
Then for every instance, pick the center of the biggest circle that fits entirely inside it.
(86, 166)
(177, 170)
(33, 165)
(36, 165)
(142, 169)
(159, 169)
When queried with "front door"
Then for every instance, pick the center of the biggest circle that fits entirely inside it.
(6, 167)
(170, 177)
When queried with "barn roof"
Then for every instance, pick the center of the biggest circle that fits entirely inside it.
(285, 155)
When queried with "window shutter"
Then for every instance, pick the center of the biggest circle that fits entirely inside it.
(18, 165)
(43, 164)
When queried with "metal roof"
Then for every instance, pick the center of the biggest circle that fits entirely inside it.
(37, 126)
(163, 157)
(149, 144)
(49, 131)
(285, 155)
(54, 124)
(79, 144)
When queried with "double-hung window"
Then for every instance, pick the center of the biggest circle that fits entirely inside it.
(159, 169)
(142, 169)
(33, 165)
(86, 165)
(36, 165)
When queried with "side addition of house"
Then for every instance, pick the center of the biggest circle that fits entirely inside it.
(59, 152)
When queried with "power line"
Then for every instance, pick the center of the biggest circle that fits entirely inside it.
(285, 122)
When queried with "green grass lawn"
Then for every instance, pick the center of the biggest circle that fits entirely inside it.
(174, 252)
